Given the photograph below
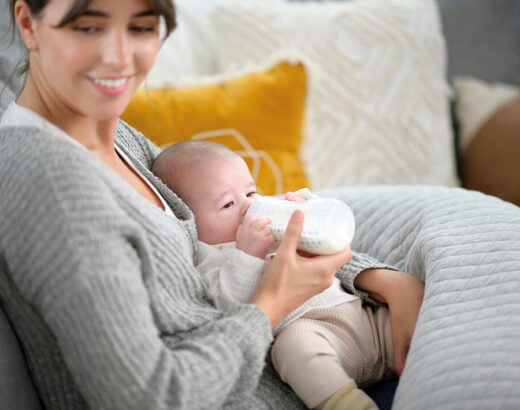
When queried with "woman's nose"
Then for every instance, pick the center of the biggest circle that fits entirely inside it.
(117, 50)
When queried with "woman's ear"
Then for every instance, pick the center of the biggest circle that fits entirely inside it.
(26, 24)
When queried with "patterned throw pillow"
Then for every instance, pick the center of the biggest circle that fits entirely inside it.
(259, 115)
(378, 101)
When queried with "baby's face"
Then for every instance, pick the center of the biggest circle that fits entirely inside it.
(220, 198)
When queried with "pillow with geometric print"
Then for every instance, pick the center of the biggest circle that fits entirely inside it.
(378, 99)
(257, 112)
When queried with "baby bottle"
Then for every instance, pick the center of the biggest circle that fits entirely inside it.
(328, 225)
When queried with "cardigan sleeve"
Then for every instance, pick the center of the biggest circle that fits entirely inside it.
(80, 262)
(348, 272)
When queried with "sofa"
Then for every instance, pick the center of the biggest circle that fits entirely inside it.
(431, 162)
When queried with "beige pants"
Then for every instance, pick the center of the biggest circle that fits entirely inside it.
(319, 352)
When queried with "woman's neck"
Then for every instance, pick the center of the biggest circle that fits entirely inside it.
(96, 135)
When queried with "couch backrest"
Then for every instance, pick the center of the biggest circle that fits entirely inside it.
(482, 37)
(17, 391)
(10, 54)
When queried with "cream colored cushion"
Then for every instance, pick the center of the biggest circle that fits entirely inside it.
(477, 100)
(378, 102)
(489, 120)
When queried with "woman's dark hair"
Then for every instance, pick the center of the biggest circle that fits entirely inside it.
(164, 8)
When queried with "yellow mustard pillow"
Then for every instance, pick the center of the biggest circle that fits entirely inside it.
(258, 115)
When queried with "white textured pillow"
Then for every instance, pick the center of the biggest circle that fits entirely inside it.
(189, 51)
(477, 101)
(378, 107)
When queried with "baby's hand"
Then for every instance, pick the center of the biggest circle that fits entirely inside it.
(254, 236)
(301, 195)
(294, 197)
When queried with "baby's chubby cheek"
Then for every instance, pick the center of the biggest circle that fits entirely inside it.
(211, 232)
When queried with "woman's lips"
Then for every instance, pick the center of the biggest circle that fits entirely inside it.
(110, 86)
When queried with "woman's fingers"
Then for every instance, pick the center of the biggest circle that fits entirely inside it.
(336, 259)
(327, 265)
(293, 232)
(343, 257)
(290, 279)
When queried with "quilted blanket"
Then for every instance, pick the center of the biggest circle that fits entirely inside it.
(465, 246)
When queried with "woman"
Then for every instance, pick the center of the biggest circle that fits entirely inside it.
(97, 254)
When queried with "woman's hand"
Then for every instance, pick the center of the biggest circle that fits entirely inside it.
(292, 278)
(404, 294)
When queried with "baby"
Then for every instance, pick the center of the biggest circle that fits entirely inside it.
(326, 347)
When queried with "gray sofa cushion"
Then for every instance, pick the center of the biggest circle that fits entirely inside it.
(483, 38)
(16, 389)
(10, 54)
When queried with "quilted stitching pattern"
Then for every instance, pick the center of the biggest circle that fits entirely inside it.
(466, 247)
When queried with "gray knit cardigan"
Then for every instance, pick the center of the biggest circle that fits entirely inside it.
(102, 291)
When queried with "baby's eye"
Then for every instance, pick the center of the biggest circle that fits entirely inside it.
(251, 194)
(228, 205)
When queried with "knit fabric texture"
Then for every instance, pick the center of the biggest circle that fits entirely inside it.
(101, 288)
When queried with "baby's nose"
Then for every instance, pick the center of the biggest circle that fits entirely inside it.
(246, 204)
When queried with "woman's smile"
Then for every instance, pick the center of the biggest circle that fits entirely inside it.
(111, 44)
(110, 86)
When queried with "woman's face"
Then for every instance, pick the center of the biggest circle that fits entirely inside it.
(94, 64)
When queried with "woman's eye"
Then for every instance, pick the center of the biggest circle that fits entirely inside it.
(143, 29)
(86, 29)
(228, 205)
